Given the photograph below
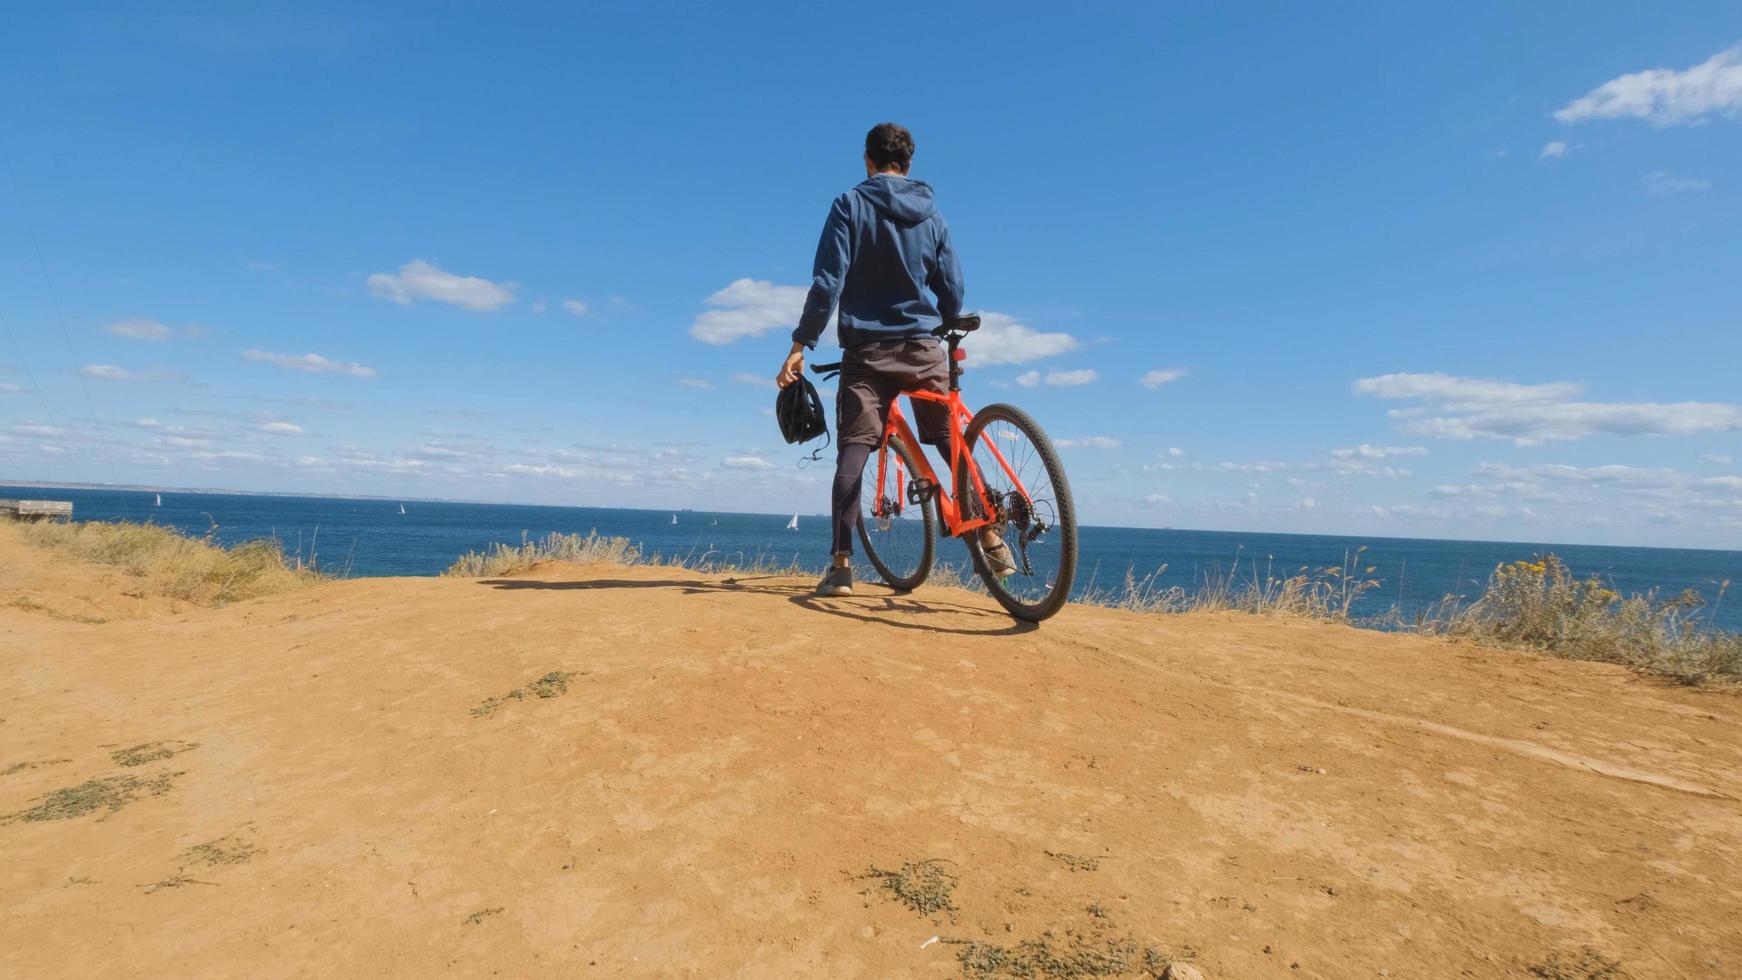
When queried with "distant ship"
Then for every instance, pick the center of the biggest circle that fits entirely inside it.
(402, 508)
(792, 525)
(160, 500)
(674, 518)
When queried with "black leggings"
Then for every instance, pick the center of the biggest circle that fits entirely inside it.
(849, 473)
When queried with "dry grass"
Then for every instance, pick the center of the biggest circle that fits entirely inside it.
(224, 850)
(923, 886)
(503, 559)
(1074, 956)
(553, 684)
(139, 755)
(1328, 593)
(1589, 964)
(174, 564)
(108, 793)
(1537, 605)
(592, 548)
(1542, 605)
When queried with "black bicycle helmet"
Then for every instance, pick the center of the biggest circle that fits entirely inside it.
(799, 410)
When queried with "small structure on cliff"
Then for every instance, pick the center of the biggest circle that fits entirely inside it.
(36, 510)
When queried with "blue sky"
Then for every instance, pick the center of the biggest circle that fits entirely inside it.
(1380, 270)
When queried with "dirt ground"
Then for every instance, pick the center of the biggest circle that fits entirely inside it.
(650, 772)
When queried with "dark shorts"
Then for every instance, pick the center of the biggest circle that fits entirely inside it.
(874, 375)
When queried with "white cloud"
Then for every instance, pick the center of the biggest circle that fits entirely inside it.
(539, 306)
(1662, 183)
(311, 363)
(1599, 492)
(746, 463)
(543, 469)
(748, 308)
(1610, 473)
(1473, 408)
(138, 329)
(1555, 150)
(1061, 379)
(1364, 460)
(109, 372)
(1716, 459)
(1155, 379)
(7, 388)
(575, 307)
(419, 280)
(1365, 451)
(702, 383)
(1176, 452)
(1081, 376)
(1002, 340)
(351, 457)
(1089, 442)
(753, 380)
(281, 428)
(1158, 500)
(148, 423)
(1407, 510)
(1664, 96)
(37, 431)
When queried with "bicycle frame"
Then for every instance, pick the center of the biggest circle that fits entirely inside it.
(948, 509)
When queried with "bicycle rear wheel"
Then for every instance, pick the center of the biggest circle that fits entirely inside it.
(899, 537)
(1032, 514)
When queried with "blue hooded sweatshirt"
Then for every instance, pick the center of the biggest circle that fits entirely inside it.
(883, 246)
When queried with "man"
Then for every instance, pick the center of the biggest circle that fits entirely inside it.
(883, 247)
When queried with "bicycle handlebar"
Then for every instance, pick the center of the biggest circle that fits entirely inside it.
(951, 330)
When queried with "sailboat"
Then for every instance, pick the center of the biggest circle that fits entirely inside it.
(716, 522)
(160, 500)
(792, 525)
(674, 518)
(402, 508)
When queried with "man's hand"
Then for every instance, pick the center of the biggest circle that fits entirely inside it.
(792, 367)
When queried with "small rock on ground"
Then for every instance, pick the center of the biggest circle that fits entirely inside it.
(1182, 971)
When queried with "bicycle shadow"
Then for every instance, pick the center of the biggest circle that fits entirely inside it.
(842, 606)
(864, 608)
(685, 586)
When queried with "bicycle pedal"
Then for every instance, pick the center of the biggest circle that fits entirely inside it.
(920, 489)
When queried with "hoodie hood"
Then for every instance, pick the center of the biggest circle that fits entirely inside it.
(908, 202)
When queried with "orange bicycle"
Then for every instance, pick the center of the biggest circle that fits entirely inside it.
(1007, 481)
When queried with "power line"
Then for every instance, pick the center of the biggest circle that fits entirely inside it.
(41, 396)
(22, 477)
(54, 297)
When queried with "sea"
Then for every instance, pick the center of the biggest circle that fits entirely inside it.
(350, 536)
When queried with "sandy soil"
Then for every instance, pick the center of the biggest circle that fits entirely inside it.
(323, 786)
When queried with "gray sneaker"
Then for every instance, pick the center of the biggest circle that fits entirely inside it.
(838, 581)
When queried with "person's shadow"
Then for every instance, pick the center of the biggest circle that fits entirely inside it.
(887, 609)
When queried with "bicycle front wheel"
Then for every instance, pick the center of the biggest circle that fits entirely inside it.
(1027, 501)
(899, 537)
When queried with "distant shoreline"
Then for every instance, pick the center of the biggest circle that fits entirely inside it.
(1529, 546)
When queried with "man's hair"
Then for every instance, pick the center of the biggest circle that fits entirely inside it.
(889, 145)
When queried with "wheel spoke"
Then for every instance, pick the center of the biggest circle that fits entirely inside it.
(1029, 513)
(895, 532)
